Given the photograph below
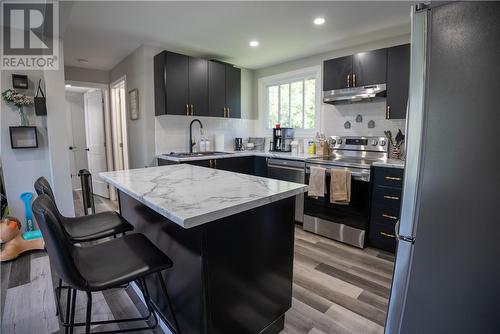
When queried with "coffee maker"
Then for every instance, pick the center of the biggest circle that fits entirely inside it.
(282, 138)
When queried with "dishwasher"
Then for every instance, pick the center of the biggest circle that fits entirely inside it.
(292, 171)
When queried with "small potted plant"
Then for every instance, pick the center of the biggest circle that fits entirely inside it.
(18, 100)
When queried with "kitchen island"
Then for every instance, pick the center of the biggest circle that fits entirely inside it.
(230, 237)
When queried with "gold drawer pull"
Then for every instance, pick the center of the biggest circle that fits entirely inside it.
(389, 216)
(393, 178)
(387, 235)
(391, 197)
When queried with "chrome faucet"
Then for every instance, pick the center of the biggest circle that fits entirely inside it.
(191, 142)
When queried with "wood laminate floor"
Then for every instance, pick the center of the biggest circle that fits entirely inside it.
(336, 289)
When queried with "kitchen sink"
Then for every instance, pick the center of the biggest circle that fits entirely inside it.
(195, 154)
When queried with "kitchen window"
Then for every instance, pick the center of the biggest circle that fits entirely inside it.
(291, 99)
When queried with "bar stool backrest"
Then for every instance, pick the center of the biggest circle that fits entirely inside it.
(42, 186)
(58, 245)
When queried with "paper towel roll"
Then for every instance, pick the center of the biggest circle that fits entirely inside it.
(219, 142)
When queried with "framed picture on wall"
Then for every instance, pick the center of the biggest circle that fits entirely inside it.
(133, 103)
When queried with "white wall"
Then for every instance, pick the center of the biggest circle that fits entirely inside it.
(22, 167)
(172, 132)
(137, 67)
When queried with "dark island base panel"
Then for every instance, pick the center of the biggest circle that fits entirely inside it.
(232, 275)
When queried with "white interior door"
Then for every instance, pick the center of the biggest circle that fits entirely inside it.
(78, 156)
(95, 137)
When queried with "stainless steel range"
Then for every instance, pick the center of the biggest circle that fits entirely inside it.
(345, 223)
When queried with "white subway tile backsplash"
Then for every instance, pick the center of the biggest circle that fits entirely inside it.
(333, 118)
(172, 132)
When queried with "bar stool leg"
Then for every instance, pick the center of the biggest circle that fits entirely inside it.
(68, 309)
(165, 292)
(89, 313)
(55, 296)
(73, 309)
(147, 298)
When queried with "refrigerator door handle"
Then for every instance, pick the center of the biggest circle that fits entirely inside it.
(402, 237)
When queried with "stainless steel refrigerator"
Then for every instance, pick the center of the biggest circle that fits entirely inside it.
(447, 271)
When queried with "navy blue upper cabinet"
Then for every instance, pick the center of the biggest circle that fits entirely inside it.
(398, 81)
(217, 89)
(233, 91)
(337, 73)
(224, 90)
(198, 87)
(191, 86)
(369, 68)
(361, 69)
(171, 84)
(390, 66)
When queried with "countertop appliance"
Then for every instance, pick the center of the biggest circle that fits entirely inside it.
(446, 272)
(238, 144)
(345, 223)
(292, 171)
(282, 138)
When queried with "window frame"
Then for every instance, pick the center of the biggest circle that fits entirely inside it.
(313, 72)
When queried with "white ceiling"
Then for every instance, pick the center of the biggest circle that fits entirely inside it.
(105, 32)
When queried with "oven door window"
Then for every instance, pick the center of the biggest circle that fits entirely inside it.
(355, 214)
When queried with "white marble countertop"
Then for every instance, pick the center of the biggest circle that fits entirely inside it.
(190, 195)
(391, 163)
(235, 154)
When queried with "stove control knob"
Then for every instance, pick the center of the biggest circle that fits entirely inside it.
(382, 143)
(374, 142)
(339, 141)
(333, 141)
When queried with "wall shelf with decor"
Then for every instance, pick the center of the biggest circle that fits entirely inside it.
(22, 137)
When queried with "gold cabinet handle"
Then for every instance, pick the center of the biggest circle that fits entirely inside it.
(387, 235)
(354, 80)
(393, 178)
(192, 110)
(187, 109)
(348, 80)
(225, 112)
(215, 163)
(389, 216)
(228, 112)
(210, 163)
(388, 112)
(395, 198)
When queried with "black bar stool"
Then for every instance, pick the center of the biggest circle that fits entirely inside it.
(101, 267)
(83, 229)
(86, 228)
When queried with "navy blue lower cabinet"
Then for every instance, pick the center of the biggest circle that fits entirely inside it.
(385, 207)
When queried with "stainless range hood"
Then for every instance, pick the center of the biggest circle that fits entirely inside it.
(354, 94)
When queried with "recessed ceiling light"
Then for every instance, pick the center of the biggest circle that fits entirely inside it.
(319, 21)
(254, 44)
(67, 86)
(82, 60)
